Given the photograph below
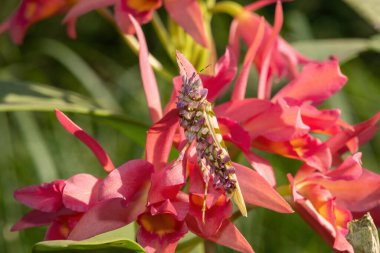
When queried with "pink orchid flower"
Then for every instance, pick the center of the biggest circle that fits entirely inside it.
(141, 10)
(167, 182)
(61, 203)
(328, 199)
(32, 11)
(283, 125)
(187, 13)
(275, 57)
(153, 197)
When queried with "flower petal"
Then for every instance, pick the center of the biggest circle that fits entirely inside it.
(45, 197)
(80, 192)
(265, 76)
(127, 181)
(364, 131)
(228, 235)
(279, 123)
(161, 227)
(90, 142)
(149, 81)
(188, 14)
(34, 218)
(361, 194)
(242, 110)
(61, 227)
(167, 182)
(257, 191)
(160, 139)
(241, 84)
(105, 216)
(316, 83)
(84, 6)
(225, 72)
(327, 230)
(262, 167)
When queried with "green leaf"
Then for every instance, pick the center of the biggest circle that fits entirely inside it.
(368, 9)
(113, 241)
(81, 70)
(19, 96)
(344, 49)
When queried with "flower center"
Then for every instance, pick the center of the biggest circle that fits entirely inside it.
(161, 224)
(141, 6)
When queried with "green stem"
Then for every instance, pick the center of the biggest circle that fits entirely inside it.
(134, 45)
(163, 35)
(132, 42)
(228, 7)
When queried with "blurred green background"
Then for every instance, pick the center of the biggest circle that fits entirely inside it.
(97, 70)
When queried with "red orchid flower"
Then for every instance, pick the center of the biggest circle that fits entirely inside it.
(328, 199)
(187, 13)
(32, 11)
(61, 203)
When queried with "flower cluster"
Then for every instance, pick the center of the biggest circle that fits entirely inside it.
(167, 199)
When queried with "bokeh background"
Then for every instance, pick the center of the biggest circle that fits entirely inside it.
(99, 69)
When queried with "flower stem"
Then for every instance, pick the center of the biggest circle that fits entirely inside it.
(163, 35)
(228, 7)
(134, 45)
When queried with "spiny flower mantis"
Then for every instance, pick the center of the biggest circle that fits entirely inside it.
(200, 124)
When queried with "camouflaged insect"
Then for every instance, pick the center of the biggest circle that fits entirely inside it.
(200, 124)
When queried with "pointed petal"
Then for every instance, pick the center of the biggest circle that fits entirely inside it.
(90, 142)
(319, 120)
(34, 218)
(350, 169)
(225, 73)
(262, 167)
(80, 192)
(45, 197)
(264, 86)
(228, 235)
(259, 4)
(257, 191)
(149, 81)
(84, 6)
(241, 84)
(127, 181)
(363, 131)
(316, 83)
(188, 14)
(160, 139)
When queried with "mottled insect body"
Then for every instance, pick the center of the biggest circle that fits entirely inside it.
(200, 124)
